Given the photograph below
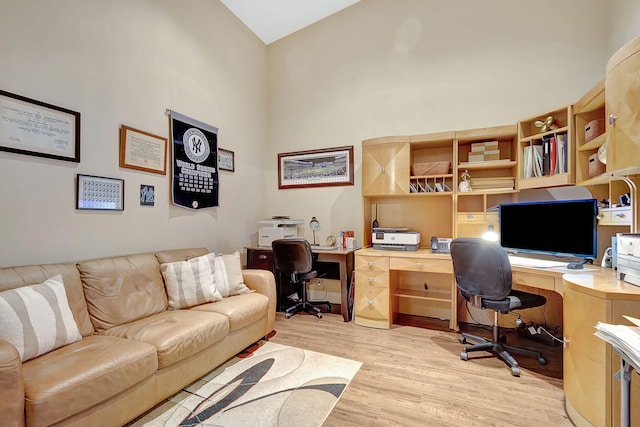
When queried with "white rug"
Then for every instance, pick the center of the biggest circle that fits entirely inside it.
(277, 385)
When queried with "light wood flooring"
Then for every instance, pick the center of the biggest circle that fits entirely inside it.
(413, 376)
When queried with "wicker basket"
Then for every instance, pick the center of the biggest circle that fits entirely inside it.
(430, 168)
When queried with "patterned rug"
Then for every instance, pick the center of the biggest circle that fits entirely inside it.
(275, 385)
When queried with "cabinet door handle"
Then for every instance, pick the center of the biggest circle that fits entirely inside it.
(565, 342)
(262, 257)
(612, 119)
(419, 265)
(370, 302)
(619, 215)
(370, 264)
(382, 169)
(370, 279)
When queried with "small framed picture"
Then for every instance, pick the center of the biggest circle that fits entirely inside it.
(100, 193)
(226, 161)
(147, 195)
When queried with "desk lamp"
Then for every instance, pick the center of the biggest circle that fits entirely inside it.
(314, 224)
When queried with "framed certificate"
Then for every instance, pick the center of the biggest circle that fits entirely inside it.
(142, 151)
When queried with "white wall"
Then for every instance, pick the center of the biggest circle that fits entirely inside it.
(125, 62)
(418, 66)
(624, 23)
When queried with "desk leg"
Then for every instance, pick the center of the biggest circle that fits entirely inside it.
(625, 390)
(346, 270)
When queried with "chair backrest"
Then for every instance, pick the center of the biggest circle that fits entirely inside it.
(481, 268)
(292, 256)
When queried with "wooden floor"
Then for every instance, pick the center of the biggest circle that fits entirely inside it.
(413, 376)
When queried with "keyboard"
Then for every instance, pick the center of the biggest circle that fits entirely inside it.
(533, 262)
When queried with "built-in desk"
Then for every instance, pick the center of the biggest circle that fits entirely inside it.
(262, 258)
(590, 295)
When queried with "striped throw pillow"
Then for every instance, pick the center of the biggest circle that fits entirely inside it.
(37, 319)
(228, 271)
(190, 282)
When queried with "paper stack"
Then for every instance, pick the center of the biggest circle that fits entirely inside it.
(622, 337)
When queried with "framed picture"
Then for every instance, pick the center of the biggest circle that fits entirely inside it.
(226, 161)
(38, 129)
(142, 151)
(147, 195)
(100, 193)
(316, 168)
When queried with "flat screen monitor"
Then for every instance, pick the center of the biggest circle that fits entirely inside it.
(565, 228)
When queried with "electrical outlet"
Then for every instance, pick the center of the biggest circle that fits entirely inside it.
(426, 288)
(539, 329)
(532, 330)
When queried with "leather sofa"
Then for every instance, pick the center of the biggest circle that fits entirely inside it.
(135, 351)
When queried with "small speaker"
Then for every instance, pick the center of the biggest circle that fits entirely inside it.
(607, 258)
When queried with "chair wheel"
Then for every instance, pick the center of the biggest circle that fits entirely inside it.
(287, 315)
(464, 355)
(542, 360)
(319, 315)
(462, 340)
(502, 339)
(515, 371)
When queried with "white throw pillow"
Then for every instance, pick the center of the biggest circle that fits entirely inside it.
(229, 280)
(190, 282)
(37, 319)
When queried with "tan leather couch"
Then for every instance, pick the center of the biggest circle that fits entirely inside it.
(134, 352)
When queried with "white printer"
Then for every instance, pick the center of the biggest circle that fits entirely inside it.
(277, 228)
(397, 239)
(628, 257)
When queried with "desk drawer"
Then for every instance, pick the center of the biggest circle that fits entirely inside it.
(615, 216)
(372, 263)
(262, 260)
(421, 264)
(534, 280)
(366, 279)
(478, 217)
(372, 303)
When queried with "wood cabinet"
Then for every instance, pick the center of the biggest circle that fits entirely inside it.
(589, 363)
(385, 166)
(389, 282)
(532, 145)
(622, 94)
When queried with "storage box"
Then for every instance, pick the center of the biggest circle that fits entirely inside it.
(484, 146)
(596, 167)
(430, 168)
(593, 129)
(484, 156)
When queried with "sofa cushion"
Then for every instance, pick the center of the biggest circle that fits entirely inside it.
(176, 334)
(229, 280)
(37, 319)
(241, 310)
(190, 282)
(78, 376)
(122, 289)
(15, 277)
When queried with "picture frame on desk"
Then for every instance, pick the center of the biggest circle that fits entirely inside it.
(316, 168)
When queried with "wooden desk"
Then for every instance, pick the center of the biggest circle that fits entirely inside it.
(262, 258)
(591, 295)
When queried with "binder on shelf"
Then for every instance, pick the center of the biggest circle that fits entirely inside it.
(546, 152)
(537, 160)
(528, 161)
(553, 155)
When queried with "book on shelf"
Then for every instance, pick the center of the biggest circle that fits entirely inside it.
(537, 160)
(553, 156)
(528, 162)
(546, 153)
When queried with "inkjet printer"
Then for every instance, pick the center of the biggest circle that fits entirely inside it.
(395, 239)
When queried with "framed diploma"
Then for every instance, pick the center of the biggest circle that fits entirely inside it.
(100, 193)
(143, 151)
(38, 129)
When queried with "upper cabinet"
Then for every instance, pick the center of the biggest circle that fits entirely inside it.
(622, 94)
(545, 150)
(385, 166)
(590, 137)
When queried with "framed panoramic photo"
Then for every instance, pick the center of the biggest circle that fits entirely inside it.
(100, 193)
(226, 161)
(38, 129)
(142, 151)
(316, 168)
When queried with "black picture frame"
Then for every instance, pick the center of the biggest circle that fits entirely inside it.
(226, 160)
(99, 193)
(39, 129)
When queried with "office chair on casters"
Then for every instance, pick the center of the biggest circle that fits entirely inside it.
(294, 258)
(483, 275)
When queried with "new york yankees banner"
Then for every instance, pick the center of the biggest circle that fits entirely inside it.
(194, 183)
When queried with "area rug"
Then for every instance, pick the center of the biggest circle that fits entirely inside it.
(275, 385)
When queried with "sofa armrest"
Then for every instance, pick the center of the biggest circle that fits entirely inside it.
(11, 386)
(263, 282)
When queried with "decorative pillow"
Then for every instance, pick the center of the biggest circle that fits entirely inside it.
(37, 319)
(229, 280)
(190, 282)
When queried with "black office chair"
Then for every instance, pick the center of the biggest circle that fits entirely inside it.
(294, 258)
(483, 274)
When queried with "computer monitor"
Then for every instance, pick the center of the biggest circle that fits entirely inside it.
(564, 228)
